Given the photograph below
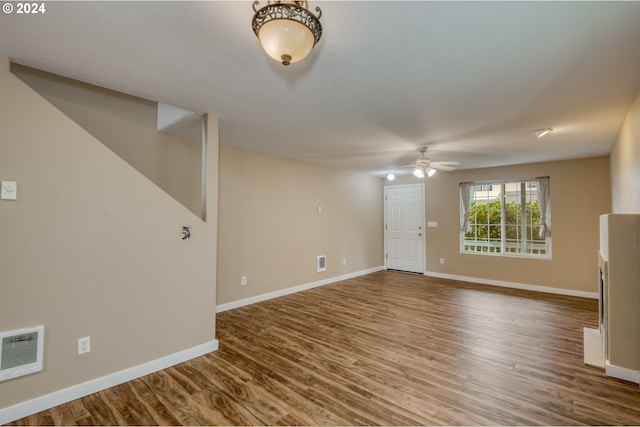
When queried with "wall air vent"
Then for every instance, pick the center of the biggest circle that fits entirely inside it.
(321, 263)
(21, 352)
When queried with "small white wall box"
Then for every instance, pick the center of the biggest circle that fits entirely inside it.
(8, 190)
(21, 352)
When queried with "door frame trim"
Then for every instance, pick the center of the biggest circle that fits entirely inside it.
(424, 231)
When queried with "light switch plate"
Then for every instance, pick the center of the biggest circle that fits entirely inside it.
(9, 190)
(432, 224)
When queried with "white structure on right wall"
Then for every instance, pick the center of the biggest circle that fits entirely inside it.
(619, 283)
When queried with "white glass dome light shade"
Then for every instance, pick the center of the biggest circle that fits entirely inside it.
(418, 173)
(391, 176)
(286, 40)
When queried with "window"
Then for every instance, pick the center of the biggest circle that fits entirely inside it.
(506, 218)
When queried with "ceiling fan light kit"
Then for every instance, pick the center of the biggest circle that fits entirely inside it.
(418, 172)
(421, 172)
(286, 30)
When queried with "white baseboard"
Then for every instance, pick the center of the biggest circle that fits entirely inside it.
(292, 290)
(622, 373)
(568, 292)
(30, 407)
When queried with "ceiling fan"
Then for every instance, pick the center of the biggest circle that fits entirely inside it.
(425, 167)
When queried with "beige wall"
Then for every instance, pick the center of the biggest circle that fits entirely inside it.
(625, 164)
(580, 192)
(92, 248)
(270, 231)
(127, 125)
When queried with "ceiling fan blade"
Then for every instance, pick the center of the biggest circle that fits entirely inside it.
(447, 163)
(426, 164)
(441, 167)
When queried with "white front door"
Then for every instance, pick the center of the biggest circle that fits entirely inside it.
(404, 227)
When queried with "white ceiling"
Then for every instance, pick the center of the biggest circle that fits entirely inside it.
(470, 79)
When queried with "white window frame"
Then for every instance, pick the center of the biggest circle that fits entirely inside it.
(466, 225)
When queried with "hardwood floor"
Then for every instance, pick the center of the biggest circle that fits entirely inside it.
(388, 348)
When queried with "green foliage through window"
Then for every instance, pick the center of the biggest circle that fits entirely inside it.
(504, 218)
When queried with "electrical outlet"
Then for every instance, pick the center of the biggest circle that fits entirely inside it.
(84, 345)
(344, 261)
(243, 281)
(441, 260)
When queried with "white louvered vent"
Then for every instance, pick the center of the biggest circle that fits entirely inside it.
(321, 263)
(21, 352)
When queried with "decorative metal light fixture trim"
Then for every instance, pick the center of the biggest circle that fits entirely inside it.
(282, 42)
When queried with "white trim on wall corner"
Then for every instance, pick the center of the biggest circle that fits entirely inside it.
(270, 295)
(622, 373)
(29, 407)
(568, 292)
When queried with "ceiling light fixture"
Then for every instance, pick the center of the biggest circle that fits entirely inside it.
(286, 29)
(542, 132)
(391, 176)
(421, 172)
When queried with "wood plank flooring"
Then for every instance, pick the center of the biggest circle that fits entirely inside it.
(388, 348)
